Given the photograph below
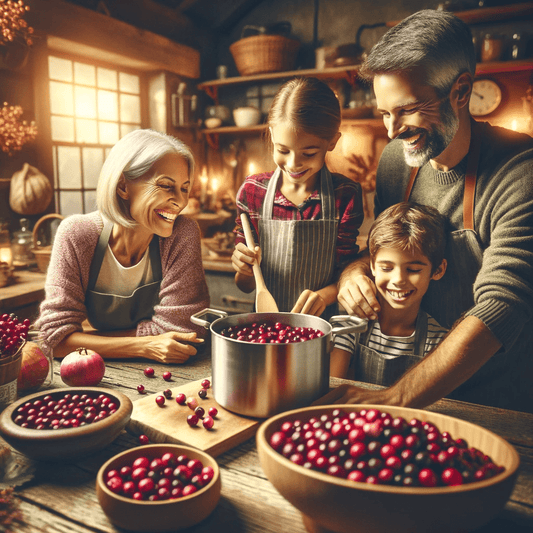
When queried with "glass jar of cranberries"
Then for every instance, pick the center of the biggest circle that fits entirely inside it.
(372, 446)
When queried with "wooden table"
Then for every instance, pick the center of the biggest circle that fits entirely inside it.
(62, 498)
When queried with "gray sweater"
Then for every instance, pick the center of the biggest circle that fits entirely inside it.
(503, 220)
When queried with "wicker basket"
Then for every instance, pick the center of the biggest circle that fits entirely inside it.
(259, 54)
(42, 253)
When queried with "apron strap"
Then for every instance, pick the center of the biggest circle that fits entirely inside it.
(99, 253)
(472, 164)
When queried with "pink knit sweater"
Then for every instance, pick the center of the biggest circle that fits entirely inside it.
(183, 289)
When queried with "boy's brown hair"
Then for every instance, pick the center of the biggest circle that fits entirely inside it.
(412, 228)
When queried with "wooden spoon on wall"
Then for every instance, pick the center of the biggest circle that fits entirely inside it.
(264, 301)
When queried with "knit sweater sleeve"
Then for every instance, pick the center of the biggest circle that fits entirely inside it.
(183, 289)
(503, 290)
(63, 308)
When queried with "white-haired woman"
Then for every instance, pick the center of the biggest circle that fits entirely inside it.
(133, 268)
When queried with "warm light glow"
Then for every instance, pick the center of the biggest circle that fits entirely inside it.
(215, 183)
(514, 125)
(6, 256)
(251, 169)
(203, 186)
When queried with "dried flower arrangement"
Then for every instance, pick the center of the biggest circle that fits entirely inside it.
(13, 132)
(13, 27)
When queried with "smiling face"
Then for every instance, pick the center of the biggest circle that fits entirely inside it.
(158, 197)
(299, 155)
(413, 113)
(402, 278)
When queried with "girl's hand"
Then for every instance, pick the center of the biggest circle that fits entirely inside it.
(243, 258)
(309, 303)
(167, 348)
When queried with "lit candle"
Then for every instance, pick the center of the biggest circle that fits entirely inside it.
(203, 186)
(251, 169)
(6, 256)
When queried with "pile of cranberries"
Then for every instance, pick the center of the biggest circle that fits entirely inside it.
(271, 333)
(374, 447)
(65, 410)
(13, 333)
(167, 477)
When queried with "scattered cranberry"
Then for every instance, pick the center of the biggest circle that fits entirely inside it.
(181, 398)
(373, 447)
(149, 372)
(199, 412)
(192, 403)
(202, 393)
(143, 439)
(208, 422)
(167, 376)
(192, 420)
(206, 384)
(160, 400)
(167, 393)
(141, 389)
(271, 333)
(213, 412)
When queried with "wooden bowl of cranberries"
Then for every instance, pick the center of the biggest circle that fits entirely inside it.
(158, 487)
(361, 468)
(65, 424)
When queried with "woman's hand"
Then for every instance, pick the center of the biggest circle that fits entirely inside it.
(169, 347)
(309, 303)
(243, 258)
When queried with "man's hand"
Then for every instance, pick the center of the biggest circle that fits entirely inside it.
(346, 394)
(357, 294)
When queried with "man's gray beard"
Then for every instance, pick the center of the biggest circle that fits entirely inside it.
(437, 139)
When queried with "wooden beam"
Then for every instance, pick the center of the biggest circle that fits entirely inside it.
(61, 22)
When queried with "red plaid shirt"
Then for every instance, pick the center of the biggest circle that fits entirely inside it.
(348, 211)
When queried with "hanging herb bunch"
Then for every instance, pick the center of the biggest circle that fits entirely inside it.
(14, 133)
(12, 24)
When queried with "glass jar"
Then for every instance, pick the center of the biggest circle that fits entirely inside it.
(21, 245)
(6, 254)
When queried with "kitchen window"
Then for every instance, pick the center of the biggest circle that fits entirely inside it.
(91, 108)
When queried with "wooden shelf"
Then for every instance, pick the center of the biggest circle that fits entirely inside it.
(489, 14)
(495, 67)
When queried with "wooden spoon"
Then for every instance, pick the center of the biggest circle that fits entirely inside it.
(264, 301)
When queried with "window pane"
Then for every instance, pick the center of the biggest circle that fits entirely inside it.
(86, 131)
(63, 129)
(128, 83)
(108, 132)
(59, 69)
(85, 102)
(130, 108)
(93, 159)
(90, 201)
(107, 79)
(70, 203)
(126, 128)
(61, 99)
(68, 167)
(84, 74)
(107, 105)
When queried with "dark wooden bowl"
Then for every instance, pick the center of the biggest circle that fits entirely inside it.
(66, 444)
(339, 505)
(158, 516)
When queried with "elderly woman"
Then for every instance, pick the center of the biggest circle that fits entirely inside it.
(133, 268)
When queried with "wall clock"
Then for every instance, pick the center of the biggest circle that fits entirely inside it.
(486, 97)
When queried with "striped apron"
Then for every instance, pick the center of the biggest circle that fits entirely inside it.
(107, 312)
(298, 254)
(371, 366)
(452, 295)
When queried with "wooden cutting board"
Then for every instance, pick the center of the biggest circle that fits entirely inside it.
(169, 423)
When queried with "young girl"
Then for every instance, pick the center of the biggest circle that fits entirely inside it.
(305, 220)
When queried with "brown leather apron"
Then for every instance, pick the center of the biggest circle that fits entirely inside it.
(107, 312)
(452, 295)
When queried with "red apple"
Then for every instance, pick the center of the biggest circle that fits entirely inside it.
(82, 368)
(34, 368)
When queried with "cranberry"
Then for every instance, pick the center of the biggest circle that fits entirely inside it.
(192, 420)
(160, 400)
(143, 439)
(206, 384)
(213, 412)
(199, 412)
(192, 403)
(149, 372)
(167, 393)
(167, 376)
(451, 477)
(427, 477)
(202, 393)
(208, 422)
(181, 398)
(115, 484)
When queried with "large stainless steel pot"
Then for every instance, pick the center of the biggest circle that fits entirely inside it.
(261, 380)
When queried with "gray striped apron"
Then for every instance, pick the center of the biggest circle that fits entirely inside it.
(107, 312)
(298, 254)
(371, 366)
(452, 295)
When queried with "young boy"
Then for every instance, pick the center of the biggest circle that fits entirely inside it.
(406, 246)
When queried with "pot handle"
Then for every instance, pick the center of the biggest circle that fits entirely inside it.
(197, 317)
(358, 325)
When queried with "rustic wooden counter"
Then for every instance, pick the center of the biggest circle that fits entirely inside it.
(62, 497)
